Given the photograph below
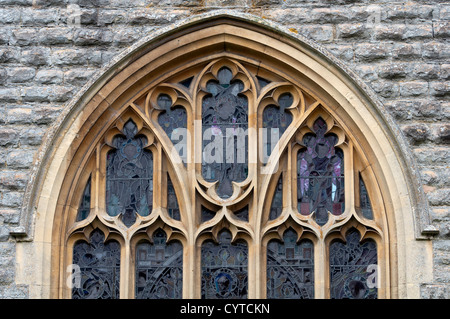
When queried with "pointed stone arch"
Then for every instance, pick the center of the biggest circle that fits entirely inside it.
(267, 47)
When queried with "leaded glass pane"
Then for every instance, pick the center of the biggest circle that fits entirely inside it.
(320, 175)
(159, 268)
(278, 117)
(364, 200)
(277, 200)
(351, 268)
(85, 204)
(262, 82)
(99, 265)
(172, 202)
(129, 176)
(173, 121)
(187, 82)
(207, 214)
(242, 213)
(224, 268)
(224, 127)
(290, 268)
(276, 120)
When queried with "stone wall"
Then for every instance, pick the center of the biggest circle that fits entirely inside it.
(50, 48)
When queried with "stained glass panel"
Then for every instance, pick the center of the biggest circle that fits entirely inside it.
(262, 82)
(351, 268)
(172, 202)
(242, 213)
(85, 204)
(99, 264)
(276, 120)
(320, 175)
(364, 200)
(173, 121)
(290, 268)
(159, 268)
(207, 214)
(224, 268)
(277, 200)
(224, 127)
(278, 117)
(129, 176)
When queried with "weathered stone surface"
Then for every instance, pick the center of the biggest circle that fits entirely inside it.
(430, 156)
(49, 76)
(407, 51)
(435, 291)
(10, 216)
(416, 109)
(413, 88)
(372, 51)
(8, 136)
(13, 180)
(21, 74)
(416, 133)
(442, 133)
(11, 199)
(71, 57)
(35, 56)
(20, 158)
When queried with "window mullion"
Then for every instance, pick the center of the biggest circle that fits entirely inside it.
(349, 180)
(321, 272)
(126, 272)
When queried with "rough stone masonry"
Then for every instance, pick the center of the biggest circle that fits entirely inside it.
(50, 48)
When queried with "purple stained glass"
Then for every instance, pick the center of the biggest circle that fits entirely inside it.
(224, 127)
(129, 176)
(290, 268)
(159, 268)
(224, 268)
(353, 268)
(99, 264)
(320, 175)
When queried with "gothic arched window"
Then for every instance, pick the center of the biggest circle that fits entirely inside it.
(222, 177)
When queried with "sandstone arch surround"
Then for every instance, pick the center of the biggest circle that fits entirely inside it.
(250, 39)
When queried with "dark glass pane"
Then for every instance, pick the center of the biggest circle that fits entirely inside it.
(85, 205)
(320, 175)
(276, 120)
(164, 101)
(277, 200)
(173, 120)
(225, 140)
(187, 82)
(366, 207)
(207, 214)
(262, 82)
(99, 264)
(159, 268)
(172, 202)
(285, 100)
(129, 176)
(290, 268)
(224, 268)
(242, 213)
(350, 274)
